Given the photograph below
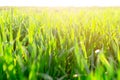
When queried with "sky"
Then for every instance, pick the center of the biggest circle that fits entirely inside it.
(59, 3)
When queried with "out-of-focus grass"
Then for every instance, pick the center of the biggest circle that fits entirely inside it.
(76, 44)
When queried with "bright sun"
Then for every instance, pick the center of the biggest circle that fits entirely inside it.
(55, 3)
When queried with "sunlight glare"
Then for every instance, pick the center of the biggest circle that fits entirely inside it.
(54, 3)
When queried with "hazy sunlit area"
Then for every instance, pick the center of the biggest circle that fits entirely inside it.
(53, 3)
(59, 40)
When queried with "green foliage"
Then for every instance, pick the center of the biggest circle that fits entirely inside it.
(50, 44)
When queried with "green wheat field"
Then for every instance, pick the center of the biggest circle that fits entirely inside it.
(60, 43)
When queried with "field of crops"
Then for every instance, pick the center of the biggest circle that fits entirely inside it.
(60, 44)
